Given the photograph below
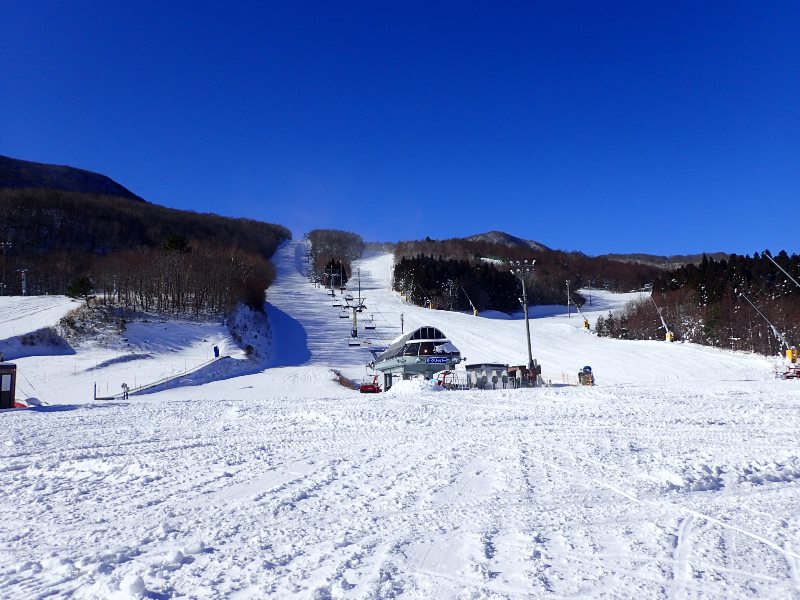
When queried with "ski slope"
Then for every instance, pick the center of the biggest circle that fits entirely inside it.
(21, 315)
(559, 342)
(677, 476)
(148, 350)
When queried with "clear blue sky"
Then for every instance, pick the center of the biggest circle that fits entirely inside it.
(664, 127)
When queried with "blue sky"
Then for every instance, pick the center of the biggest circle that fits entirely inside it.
(663, 127)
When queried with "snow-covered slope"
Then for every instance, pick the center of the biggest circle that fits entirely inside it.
(559, 342)
(23, 314)
(148, 350)
(678, 476)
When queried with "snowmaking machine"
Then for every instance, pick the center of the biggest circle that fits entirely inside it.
(583, 316)
(585, 376)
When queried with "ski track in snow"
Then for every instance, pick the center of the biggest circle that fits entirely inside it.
(678, 476)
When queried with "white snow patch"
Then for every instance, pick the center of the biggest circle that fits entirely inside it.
(414, 387)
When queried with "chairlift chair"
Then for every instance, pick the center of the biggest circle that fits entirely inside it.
(344, 314)
(370, 324)
(353, 341)
(337, 303)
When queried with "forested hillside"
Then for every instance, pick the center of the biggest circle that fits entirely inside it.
(16, 174)
(707, 304)
(332, 252)
(138, 254)
(446, 272)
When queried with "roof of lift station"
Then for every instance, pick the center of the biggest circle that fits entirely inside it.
(421, 334)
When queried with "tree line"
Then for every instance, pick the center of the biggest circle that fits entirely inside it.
(133, 253)
(707, 304)
(448, 272)
(453, 284)
(332, 252)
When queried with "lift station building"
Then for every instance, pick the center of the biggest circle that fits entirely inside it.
(424, 351)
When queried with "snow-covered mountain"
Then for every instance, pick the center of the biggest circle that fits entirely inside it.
(677, 475)
(500, 237)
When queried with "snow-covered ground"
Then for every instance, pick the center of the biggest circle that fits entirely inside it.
(26, 315)
(677, 476)
(146, 351)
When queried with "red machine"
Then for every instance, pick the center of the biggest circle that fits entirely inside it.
(370, 385)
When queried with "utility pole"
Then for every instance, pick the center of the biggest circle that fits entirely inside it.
(401, 322)
(569, 311)
(520, 270)
(23, 273)
(5, 246)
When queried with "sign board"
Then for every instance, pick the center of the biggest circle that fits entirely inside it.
(439, 360)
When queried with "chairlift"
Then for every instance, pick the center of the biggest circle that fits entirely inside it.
(344, 314)
(370, 324)
(353, 341)
(348, 296)
(337, 303)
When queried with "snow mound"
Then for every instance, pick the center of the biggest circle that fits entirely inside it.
(411, 387)
(133, 586)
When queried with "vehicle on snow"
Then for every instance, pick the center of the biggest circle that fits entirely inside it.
(370, 385)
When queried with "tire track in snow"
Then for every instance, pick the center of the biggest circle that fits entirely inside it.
(668, 505)
(682, 571)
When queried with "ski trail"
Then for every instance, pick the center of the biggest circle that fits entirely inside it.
(308, 329)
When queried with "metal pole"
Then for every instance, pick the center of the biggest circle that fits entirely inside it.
(527, 324)
(767, 254)
(23, 272)
(569, 311)
(778, 335)
(401, 322)
(520, 270)
(5, 246)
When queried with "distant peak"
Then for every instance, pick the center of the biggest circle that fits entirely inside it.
(501, 237)
(20, 174)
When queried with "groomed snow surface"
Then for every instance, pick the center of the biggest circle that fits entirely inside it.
(676, 476)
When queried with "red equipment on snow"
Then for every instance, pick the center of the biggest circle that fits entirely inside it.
(370, 385)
